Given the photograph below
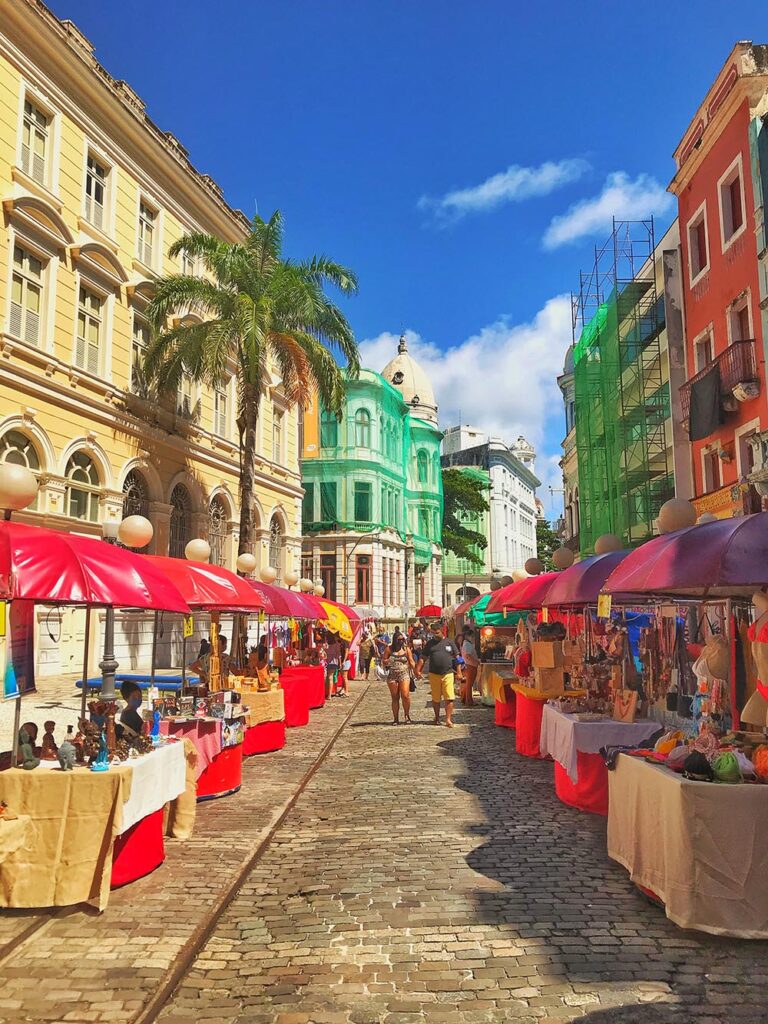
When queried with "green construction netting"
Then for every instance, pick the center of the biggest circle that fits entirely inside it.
(622, 407)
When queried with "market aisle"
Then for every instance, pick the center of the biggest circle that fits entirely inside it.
(429, 875)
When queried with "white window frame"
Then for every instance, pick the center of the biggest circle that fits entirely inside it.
(278, 414)
(743, 302)
(725, 180)
(221, 423)
(700, 213)
(710, 449)
(136, 317)
(186, 378)
(49, 259)
(706, 335)
(29, 94)
(155, 262)
(108, 225)
(104, 371)
(27, 280)
(739, 439)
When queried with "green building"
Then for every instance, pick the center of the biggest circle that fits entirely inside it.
(373, 502)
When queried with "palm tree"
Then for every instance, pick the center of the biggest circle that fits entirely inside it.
(257, 307)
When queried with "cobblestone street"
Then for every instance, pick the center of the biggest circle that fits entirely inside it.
(432, 875)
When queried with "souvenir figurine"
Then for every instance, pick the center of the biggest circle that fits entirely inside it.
(67, 753)
(26, 751)
(48, 750)
(155, 731)
(101, 761)
(110, 710)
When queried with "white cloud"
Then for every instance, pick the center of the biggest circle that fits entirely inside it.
(510, 186)
(621, 197)
(502, 379)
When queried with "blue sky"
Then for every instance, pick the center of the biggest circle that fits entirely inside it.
(462, 157)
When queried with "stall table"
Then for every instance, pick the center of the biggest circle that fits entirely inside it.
(499, 679)
(90, 830)
(700, 847)
(581, 777)
(298, 686)
(312, 677)
(529, 708)
(265, 724)
(219, 768)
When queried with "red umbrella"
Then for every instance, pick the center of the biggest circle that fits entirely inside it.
(52, 567)
(464, 607)
(527, 593)
(581, 583)
(725, 558)
(429, 611)
(209, 587)
(291, 604)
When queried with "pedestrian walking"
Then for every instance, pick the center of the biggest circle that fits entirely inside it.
(442, 654)
(332, 665)
(367, 653)
(417, 643)
(471, 665)
(398, 661)
(342, 689)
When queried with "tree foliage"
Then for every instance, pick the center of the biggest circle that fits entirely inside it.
(252, 311)
(547, 541)
(463, 498)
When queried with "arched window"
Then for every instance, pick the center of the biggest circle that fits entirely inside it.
(217, 530)
(276, 546)
(422, 464)
(181, 515)
(362, 429)
(17, 449)
(82, 494)
(136, 498)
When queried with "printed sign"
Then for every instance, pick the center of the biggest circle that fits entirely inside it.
(189, 626)
(604, 606)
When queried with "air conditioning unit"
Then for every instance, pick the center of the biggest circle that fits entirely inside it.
(747, 391)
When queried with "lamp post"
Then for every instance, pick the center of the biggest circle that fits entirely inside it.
(108, 664)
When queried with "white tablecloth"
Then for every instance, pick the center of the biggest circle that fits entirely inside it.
(702, 847)
(564, 736)
(157, 778)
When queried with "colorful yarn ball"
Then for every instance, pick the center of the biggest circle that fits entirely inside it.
(678, 755)
(726, 767)
(746, 766)
(697, 767)
(760, 761)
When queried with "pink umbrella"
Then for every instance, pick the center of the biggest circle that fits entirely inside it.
(581, 583)
(726, 558)
(527, 593)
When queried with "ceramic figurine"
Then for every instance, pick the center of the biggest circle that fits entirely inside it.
(67, 752)
(155, 731)
(26, 751)
(110, 709)
(48, 750)
(101, 762)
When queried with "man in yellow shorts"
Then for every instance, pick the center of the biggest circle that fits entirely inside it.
(441, 653)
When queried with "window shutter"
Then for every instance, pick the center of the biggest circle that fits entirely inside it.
(26, 158)
(38, 168)
(32, 328)
(98, 214)
(80, 352)
(15, 323)
(93, 359)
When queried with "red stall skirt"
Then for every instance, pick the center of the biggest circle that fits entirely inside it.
(352, 655)
(139, 850)
(297, 690)
(264, 738)
(505, 710)
(590, 793)
(528, 715)
(224, 775)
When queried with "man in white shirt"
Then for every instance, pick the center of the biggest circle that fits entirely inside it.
(471, 664)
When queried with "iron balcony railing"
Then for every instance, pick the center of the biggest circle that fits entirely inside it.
(738, 365)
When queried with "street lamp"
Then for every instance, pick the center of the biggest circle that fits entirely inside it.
(18, 488)
(291, 578)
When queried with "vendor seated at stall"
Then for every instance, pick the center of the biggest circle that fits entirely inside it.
(130, 720)
(203, 665)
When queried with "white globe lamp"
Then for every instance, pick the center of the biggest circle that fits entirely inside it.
(135, 531)
(291, 578)
(563, 558)
(707, 517)
(18, 487)
(534, 566)
(607, 543)
(246, 563)
(198, 550)
(268, 574)
(519, 574)
(318, 590)
(676, 514)
(306, 586)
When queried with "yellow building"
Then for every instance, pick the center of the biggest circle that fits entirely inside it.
(93, 194)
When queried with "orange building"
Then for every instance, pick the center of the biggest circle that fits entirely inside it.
(720, 203)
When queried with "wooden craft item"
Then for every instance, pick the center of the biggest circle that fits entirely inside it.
(625, 705)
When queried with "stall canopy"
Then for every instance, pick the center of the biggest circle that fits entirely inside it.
(289, 604)
(527, 593)
(726, 558)
(208, 587)
(482, 617)
(464, 607)
(581, 584)
(52, 567)
(429, 611)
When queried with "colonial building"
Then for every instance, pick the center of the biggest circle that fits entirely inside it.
(372, 513)
(93, 194)
(569, 462)
(511, 521)
(720, 183)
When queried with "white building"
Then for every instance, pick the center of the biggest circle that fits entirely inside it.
(512, 499)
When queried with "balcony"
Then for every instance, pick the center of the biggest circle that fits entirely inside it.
(739, 378)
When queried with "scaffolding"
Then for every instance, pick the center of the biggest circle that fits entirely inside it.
(621, 384)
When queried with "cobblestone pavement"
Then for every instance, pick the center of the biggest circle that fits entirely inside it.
(83, 966)
(428, 875)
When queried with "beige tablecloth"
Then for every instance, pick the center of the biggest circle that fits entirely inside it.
(702, 847)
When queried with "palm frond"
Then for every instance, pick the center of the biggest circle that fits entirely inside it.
(323, 270)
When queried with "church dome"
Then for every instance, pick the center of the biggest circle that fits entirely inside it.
(406, 376)
(568, 365)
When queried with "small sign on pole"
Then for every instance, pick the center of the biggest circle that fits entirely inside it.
(189, 626)
(604, 606)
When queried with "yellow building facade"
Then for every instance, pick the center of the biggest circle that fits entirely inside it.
(93, 195)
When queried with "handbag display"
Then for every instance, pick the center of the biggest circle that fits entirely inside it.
(625, 705)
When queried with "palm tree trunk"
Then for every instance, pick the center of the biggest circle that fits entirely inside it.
(247, 473)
